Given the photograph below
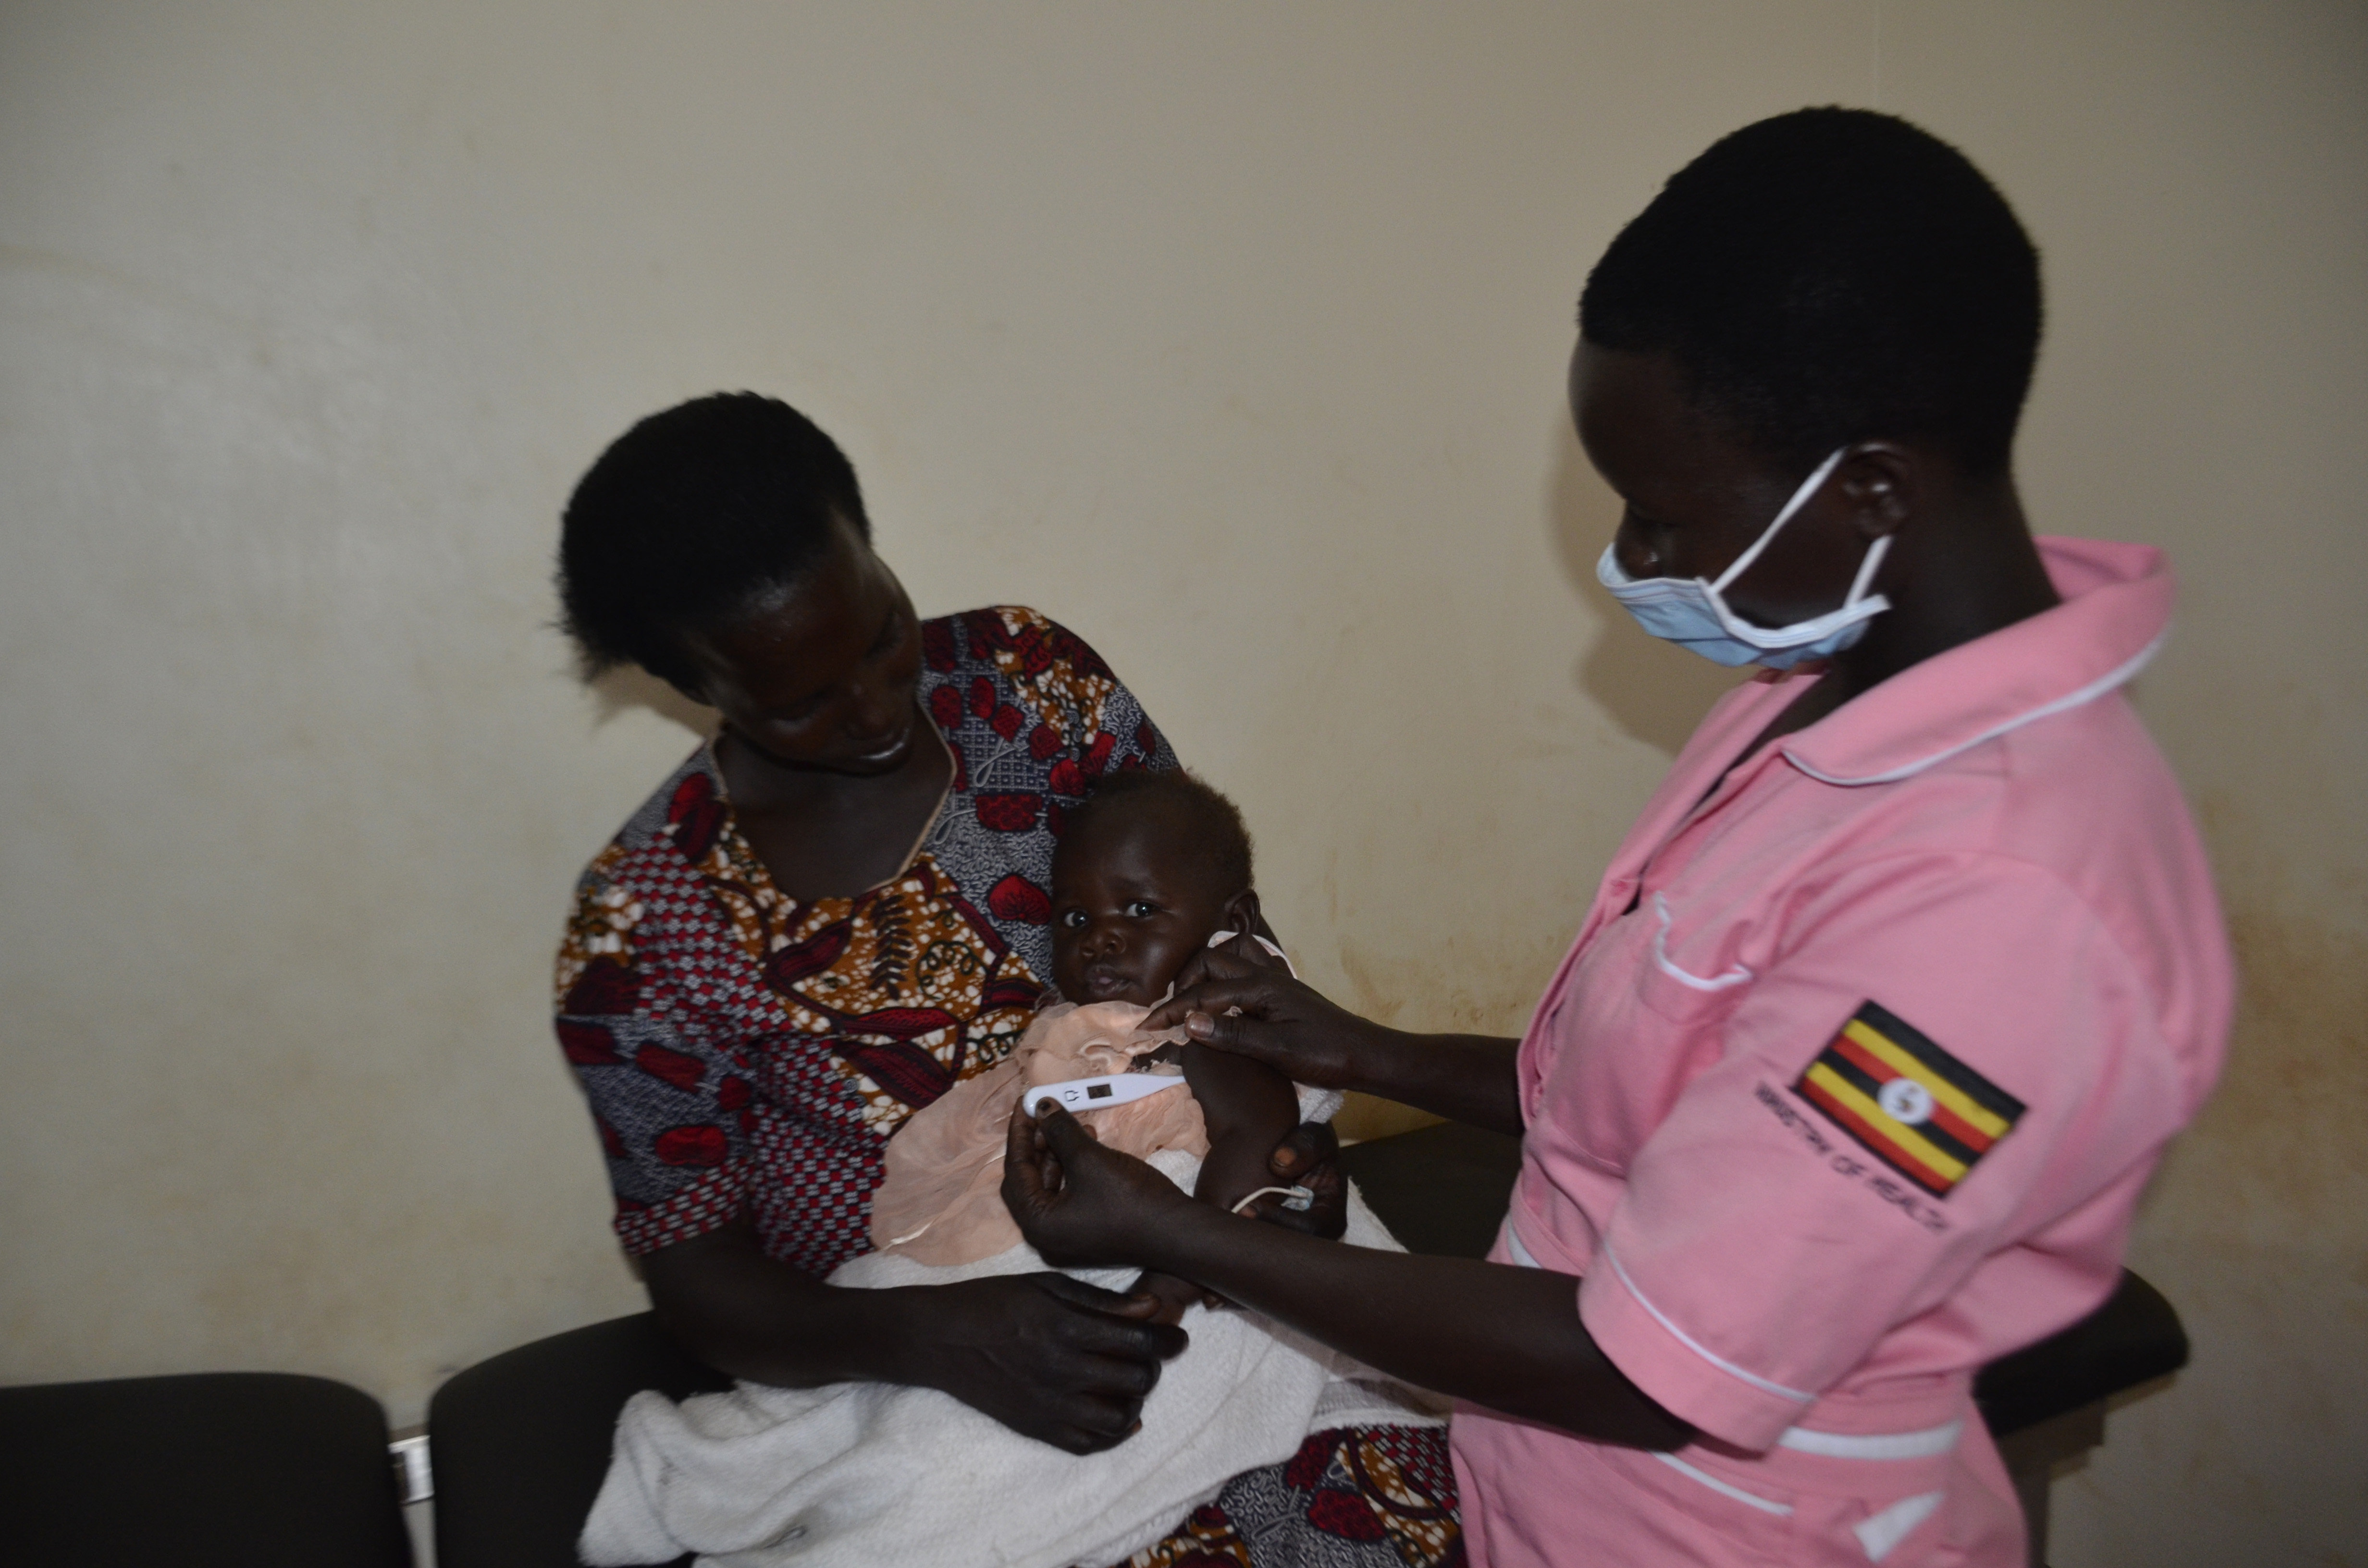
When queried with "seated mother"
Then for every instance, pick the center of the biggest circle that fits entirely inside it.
(829, 914)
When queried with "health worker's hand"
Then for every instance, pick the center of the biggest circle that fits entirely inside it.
(1079, 1204)
(1236, 999)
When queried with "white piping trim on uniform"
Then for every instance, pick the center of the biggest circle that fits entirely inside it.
(1750, 1499)
(1930, 1443)
(1879, 1532)
(1724, 1365)
(1734, 976)
(1513, 1244)
(2088, 693)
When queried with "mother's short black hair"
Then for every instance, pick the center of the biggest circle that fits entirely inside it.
(689, 516)
(1829, 275)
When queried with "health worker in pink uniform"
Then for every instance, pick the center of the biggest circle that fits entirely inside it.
(1885, 1008)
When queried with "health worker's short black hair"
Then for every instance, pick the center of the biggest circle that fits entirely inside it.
(1829, 275)
(1209, 826)
(689, 516)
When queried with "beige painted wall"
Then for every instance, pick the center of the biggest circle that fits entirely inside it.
(1230, 333)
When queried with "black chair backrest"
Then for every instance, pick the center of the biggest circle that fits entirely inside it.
(211, 1470)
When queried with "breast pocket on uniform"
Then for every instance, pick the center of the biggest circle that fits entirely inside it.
(1683, 973)
(1645, 1017)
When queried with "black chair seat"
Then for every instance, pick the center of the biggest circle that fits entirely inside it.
(1443, 1190)
(519, 1443)
(211, 1470)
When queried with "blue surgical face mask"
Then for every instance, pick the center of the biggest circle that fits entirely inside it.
(1693, 614)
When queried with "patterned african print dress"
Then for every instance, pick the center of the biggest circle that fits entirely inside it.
(745, 1052)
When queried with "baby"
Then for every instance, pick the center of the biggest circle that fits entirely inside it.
(1149, 870)
(1152, 867)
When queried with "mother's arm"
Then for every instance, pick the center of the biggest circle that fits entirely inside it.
(1505, 1338)
(1289, 1026)
(1047, 1356)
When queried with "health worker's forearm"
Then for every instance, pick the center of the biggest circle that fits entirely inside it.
(1464, 1077)
(1505, 1338)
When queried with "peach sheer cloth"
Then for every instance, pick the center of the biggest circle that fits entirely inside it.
(942, 1201)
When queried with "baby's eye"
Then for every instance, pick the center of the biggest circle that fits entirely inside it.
(1073, 919)
(1141, 909)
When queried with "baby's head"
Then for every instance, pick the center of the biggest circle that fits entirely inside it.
(1149, 869)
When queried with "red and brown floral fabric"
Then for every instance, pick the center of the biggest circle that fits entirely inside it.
(1352, 1498)
(745, 1051)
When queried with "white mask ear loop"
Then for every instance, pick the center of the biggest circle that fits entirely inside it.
(1866, 571)
(1822, 472)
(1219, 939)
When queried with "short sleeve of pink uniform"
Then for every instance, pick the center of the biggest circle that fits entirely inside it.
(1765, 1246)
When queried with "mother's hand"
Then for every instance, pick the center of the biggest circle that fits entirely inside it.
(1052, 1358)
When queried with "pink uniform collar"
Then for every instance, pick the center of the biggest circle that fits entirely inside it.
(2115, 614)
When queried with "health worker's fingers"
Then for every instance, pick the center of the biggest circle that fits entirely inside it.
(1194, 972)
(1062, 1132)
(1240, 959)
(1192, 1006)
(1228, 982)
(1027, 1182)
(1245, 1035)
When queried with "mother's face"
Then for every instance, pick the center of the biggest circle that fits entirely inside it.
(822, 674)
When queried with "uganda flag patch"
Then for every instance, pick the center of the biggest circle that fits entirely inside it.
(1916, 1107)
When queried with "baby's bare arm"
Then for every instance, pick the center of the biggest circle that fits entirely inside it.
(1249, 1108)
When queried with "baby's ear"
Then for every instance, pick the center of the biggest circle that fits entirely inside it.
(1241, 912)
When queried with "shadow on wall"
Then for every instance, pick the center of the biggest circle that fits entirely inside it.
(1654, 691)
(628, 686)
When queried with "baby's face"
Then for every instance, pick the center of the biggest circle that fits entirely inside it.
(1130, 905)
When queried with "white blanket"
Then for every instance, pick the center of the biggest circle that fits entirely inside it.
(864, 1474)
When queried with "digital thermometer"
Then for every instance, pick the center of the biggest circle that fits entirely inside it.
(1094, 1093)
